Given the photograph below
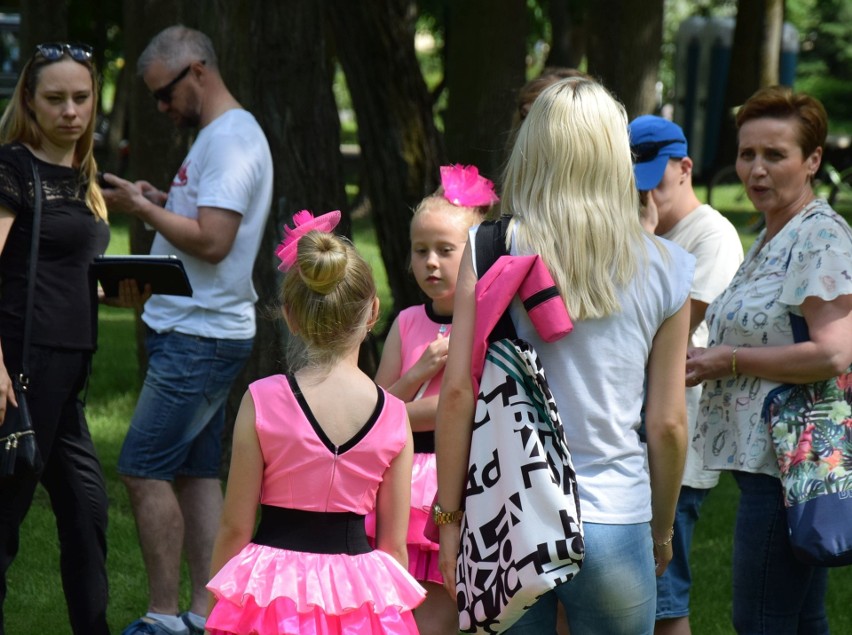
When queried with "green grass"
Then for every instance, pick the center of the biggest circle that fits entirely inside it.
(36, 603)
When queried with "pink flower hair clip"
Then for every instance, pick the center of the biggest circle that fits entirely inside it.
(464, 186)
(303, 222)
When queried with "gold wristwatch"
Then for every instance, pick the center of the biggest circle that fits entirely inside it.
(445, 518)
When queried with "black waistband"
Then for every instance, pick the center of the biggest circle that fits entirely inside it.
(424, 442)
(312, 532)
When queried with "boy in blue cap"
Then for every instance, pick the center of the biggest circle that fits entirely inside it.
(663, 172)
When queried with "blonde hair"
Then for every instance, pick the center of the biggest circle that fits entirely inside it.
(328, 295)
(471, 215)
(18, 124)
(570, 188)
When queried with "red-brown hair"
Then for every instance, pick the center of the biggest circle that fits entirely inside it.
(780, 102)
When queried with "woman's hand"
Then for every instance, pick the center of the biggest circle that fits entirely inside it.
(7, 393)
(450, 539)
(708, 363)
(662, 556)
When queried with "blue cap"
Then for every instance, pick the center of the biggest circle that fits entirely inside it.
(653, 141)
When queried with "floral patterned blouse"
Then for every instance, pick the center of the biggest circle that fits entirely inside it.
(810, 256)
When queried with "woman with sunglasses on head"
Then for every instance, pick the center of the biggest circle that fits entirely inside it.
(49, 126)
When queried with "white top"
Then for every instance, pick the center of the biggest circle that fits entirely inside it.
(755, 311)
(597, 376)
(230, 167)
(718, 251)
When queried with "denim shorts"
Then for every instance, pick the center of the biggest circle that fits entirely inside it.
(614, 593)
(673, 586)
(176, 429)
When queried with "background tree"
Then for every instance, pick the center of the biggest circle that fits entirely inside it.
(400, 144)
(756, 49)
(484, 69)
(624, 40)
(568, 29)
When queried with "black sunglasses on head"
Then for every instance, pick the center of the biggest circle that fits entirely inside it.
(648, 150)
(164, 94)
(53, 51)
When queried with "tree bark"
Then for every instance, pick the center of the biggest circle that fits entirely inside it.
(748, 54)
(273, 58)
(770, 55)
(485, 67)
(400, 145)
(568, 25)
(625, 37)
(42, 21)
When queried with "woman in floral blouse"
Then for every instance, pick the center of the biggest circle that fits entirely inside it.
(801, 264)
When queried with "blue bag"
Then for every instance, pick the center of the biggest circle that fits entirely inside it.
(811, 429)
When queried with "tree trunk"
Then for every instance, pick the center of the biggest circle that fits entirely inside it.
(748, 72)
(625, 37)
(485, 67)
(272, 57)
(42, 21)
(156, 146)
(400, 145)
(770, 55)
(568, 25)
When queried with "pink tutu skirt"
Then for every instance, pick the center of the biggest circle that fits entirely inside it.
(268, 591)
(422, 552)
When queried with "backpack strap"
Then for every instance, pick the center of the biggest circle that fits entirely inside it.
(490, 245)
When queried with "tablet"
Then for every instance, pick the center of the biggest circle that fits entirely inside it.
(165, 274)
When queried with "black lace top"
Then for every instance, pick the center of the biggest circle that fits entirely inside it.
(65, 311)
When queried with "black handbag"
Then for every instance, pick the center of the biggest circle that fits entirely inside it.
(19, 453)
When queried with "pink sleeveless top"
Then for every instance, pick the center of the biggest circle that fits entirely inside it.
(303, 469)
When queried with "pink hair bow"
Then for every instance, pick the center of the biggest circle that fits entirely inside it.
(303, 222)
(464, 186)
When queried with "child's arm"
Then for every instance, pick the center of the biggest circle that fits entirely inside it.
(243, 493)
(392, 505)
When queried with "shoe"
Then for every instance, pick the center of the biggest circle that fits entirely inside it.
(147, 626)
(193, 630)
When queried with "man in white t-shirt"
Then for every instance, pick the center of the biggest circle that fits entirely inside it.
(663, 173)
(212, 218)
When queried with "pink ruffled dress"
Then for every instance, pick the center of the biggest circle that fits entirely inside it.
(309, 569)
(418, 327)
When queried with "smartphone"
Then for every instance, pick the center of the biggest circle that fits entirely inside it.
(104, 185)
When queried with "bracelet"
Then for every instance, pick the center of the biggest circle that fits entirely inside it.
(734, 361)
(667, 541)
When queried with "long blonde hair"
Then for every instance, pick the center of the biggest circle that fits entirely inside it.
(18, 124)
(570, 188)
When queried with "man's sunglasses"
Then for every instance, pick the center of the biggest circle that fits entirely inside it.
(648, 150)
(53, 51)
(164, 94)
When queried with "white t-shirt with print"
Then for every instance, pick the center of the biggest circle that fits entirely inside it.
(230, 167)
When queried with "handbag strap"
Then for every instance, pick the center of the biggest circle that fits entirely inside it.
(31, 281)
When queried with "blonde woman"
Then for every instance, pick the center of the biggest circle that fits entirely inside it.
(570, 188)
(49, 124)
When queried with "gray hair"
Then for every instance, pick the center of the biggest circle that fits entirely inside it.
(177, 46)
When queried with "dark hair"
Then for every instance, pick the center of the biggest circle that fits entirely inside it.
(780, 102)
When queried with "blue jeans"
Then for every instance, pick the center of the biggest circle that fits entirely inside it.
(774, 593)
(177, 426)
(673, 586)
(614, 593)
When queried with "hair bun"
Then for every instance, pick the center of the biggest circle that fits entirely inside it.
(322, 260)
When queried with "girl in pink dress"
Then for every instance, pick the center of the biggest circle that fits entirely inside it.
(316, 451)
(413, 358)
